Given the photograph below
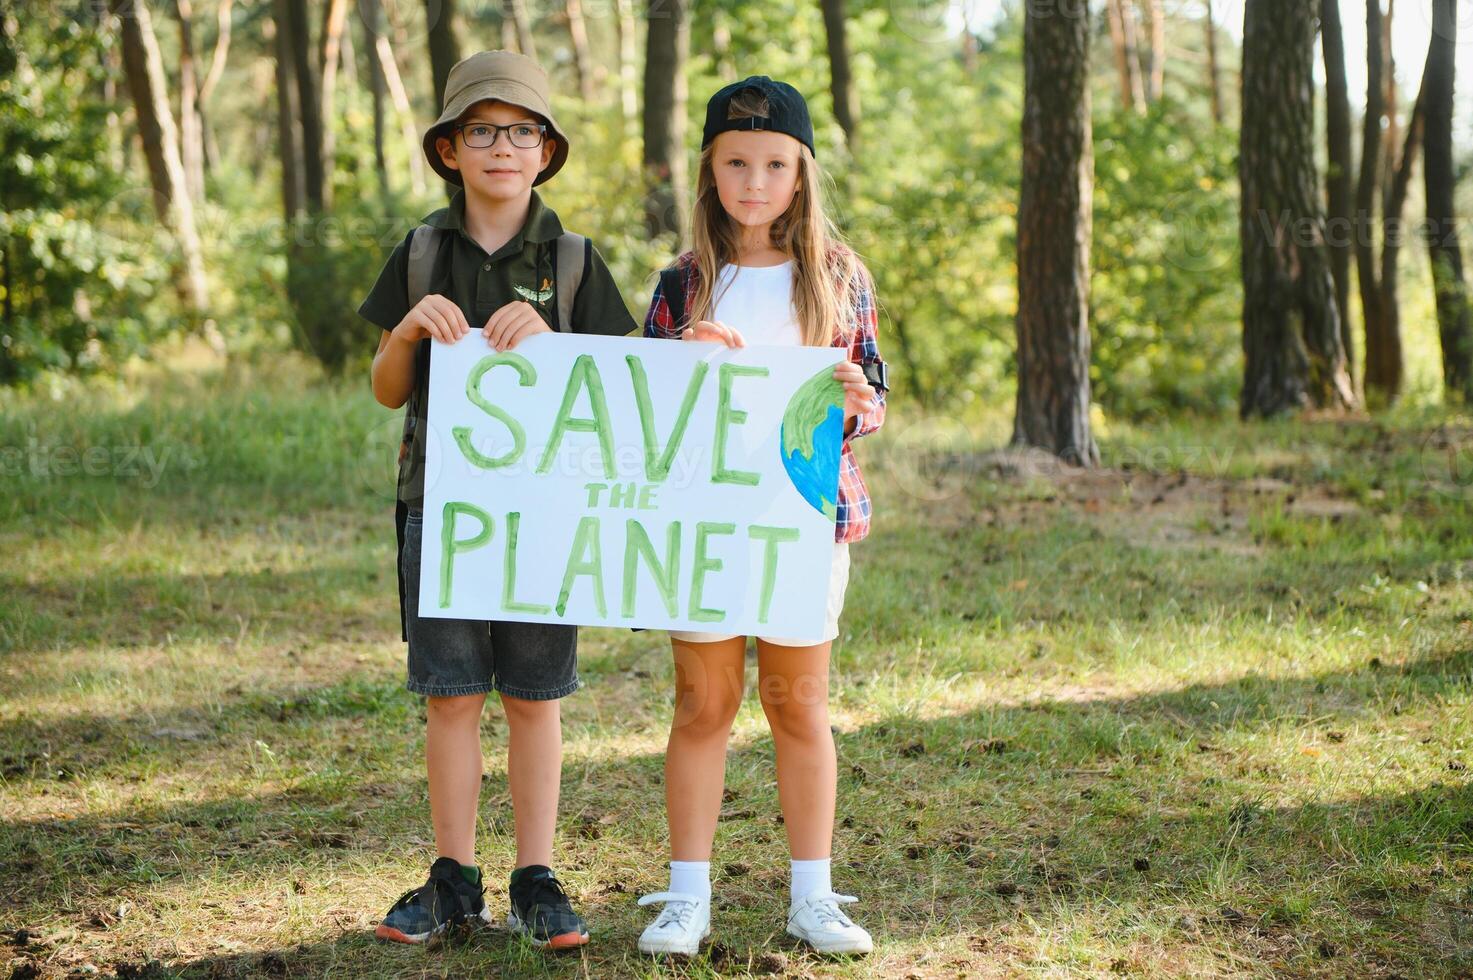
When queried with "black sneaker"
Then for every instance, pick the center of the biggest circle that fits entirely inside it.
(445, 900)
(540, 910)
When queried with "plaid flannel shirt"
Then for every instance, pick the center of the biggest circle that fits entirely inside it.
(854, 508)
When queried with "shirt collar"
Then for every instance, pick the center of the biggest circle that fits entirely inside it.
(542, 224)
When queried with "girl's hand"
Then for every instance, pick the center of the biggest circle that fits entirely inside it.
(511, 324)
(435, 317)
(858, 395)
(710, 330)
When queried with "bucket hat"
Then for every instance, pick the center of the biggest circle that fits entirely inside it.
(504, 76)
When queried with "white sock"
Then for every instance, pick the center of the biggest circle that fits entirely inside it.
(691, 878)
(810, 877)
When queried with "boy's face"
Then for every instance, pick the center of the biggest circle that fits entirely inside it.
(756, 174)
(501, 171)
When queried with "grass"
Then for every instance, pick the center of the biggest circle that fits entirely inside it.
(1206, 711)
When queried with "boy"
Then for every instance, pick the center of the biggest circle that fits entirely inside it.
(492, 264)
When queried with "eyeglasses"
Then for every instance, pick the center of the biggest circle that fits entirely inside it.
(523, 135)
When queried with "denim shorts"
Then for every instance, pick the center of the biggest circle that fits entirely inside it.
(452, 657)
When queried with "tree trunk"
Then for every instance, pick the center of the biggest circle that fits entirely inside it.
(1122, 38)
(1214, 82)
(517, 13)
(191, 130)
(1339, 186)
(1054, 224)
(628, 89)
(348, 64)
(1156, 16)
(583, 62)
(144, 68)
(1453, 321)
(262, 148)
(841, 86)
(444, 44)
(1365, 194)
(288, 122)
(372, 19)
(309, 108)
(389, 65)
(212, 79)
(666, 52)
(1390, 363)
(1379, 170)
(1291, 328)
(1391, 139)
(328, 58)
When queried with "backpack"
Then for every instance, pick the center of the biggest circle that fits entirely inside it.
(672, 287)
(570, 259)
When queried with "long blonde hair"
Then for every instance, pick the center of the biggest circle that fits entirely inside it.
(823, 265)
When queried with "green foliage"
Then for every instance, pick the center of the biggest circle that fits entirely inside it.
(1166, 293)
(928, 196)
(80, 262)
(327, 275)
(600, 193)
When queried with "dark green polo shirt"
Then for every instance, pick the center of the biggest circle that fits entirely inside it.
(524, 269)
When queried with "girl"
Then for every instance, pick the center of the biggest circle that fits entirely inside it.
(767, 268)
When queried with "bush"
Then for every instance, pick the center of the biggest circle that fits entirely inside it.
(81, 262)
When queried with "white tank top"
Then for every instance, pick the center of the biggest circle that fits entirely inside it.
(758, 301)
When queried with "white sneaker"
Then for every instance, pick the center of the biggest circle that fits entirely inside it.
(683, 923)
(816, 919)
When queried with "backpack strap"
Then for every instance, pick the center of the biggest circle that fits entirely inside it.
(568, 267)
(672, 287)
(423, 248)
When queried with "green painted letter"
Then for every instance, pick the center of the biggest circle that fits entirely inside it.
(585, 558)
(700, 566)
(727, 416)
(509, 572)
(637, 543)
(771, 538)
(526, 375)
(450, 546)
(657, 463)
(584, 375)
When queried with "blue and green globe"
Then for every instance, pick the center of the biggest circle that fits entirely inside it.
(812, 438)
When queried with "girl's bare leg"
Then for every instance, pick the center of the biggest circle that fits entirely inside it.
(708, 692)
(794, 684)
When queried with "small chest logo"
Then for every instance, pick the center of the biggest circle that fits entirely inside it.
(538, 296)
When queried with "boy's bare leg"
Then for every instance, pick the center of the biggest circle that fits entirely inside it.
(534, 768)
(794, 685)
(708, 692)
(453, 758)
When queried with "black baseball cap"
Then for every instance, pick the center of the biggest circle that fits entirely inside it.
(787, 112)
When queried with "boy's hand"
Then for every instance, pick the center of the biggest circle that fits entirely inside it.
(858, 395)
(435, 317)
(712, 330)
(511, 324)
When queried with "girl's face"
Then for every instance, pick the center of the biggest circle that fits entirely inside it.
(756, 174)
(502, 171)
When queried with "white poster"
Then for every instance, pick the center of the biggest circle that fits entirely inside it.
(615, 481)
